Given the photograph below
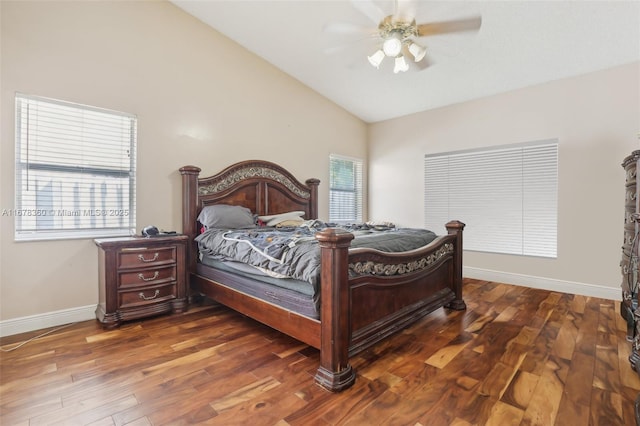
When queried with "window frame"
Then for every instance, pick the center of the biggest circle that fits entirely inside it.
(358, 190)
(101, 219)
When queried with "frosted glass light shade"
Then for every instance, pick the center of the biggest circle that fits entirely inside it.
(401, 65)
(392, 47)
(417, 51)
(376, 58)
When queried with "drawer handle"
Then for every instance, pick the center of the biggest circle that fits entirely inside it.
(142, 259)
(143, 297)
(143, 278)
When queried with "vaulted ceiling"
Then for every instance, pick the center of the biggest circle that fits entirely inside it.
(519, 44)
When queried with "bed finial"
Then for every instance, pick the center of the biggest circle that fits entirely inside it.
(190, 170)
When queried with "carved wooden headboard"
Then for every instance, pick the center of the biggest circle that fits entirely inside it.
(263, 187)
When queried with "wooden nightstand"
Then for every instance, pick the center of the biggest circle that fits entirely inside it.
(141, 277)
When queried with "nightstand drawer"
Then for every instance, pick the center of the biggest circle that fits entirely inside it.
(138, 257)
(147, 277)
(147, 296)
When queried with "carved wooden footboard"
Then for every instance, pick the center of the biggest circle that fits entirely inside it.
(366, 295)
(373, 294)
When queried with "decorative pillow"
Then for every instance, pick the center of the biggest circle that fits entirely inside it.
(225, 216)
(275, 219)
(290, 222)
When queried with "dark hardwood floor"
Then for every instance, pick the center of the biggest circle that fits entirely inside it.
(516, 356)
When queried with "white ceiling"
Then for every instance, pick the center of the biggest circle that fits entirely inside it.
(520, 43)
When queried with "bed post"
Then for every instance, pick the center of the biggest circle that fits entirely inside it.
(335, 372)
(313, 197)
(455, 228)
(189, 210)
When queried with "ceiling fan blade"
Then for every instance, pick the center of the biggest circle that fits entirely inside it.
(444, 27)
(331, 50)
(334, 49)
(346, 28)
(369, 9)
(405, 10)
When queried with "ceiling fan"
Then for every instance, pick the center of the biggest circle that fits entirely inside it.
(396, 33)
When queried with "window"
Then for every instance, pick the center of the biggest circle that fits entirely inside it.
(506, 195)
(75, 170)
(345, 189)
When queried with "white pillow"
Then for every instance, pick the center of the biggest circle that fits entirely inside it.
(275, 219)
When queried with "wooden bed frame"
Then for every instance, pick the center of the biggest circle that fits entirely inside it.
(366, 295)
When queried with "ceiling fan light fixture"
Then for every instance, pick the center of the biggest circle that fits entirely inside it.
(401, 65)
(417, 51)
(376, 58)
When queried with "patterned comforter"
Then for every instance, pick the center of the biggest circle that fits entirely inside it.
(294, 252)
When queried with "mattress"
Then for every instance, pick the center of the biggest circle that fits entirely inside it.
(291, 294)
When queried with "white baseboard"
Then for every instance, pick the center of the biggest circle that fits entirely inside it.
(603, 292)
(50, 319)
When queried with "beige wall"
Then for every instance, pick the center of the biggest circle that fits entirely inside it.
(596, 118)
(200, 99)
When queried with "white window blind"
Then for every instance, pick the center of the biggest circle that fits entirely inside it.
(506, 195)
(75, 170)
(345, 189)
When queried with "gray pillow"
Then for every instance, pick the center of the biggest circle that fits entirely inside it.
(225, 216)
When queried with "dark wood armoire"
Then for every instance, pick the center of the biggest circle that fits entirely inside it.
(630, 250)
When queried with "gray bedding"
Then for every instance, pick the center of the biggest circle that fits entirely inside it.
(294, 252)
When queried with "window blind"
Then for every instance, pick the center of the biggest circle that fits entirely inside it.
(75, 170)
(345, 189)
(506, 195)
